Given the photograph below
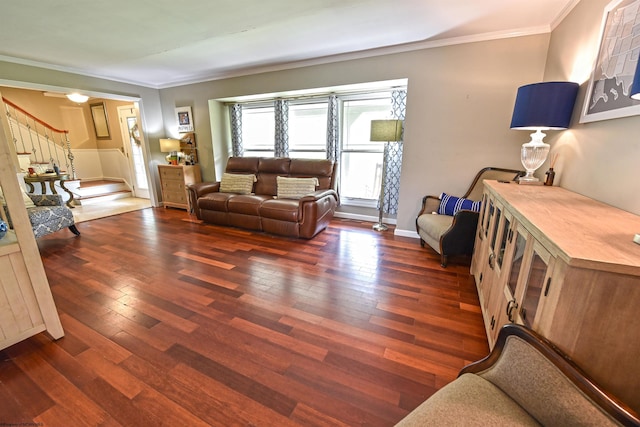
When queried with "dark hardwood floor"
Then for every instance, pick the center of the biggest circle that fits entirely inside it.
(171, 322)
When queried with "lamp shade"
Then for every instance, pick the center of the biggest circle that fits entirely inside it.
(386, 130)
(547, 105)
(169, 145)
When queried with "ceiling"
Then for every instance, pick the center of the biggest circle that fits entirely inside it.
(163, 43)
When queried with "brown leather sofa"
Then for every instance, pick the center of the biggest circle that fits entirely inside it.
(262, 210)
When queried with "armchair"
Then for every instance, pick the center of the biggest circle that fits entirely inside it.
(48, 215)
(454, 234)
(525, 380)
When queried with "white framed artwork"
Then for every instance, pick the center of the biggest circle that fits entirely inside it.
(185, 119)
(607, 96)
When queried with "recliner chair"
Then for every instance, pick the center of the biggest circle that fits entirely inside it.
(453, 233)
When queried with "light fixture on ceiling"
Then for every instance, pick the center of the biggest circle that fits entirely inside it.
(538, 107)
(77, 97)
(384, 131)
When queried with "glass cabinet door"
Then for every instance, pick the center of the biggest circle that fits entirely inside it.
(516, 262)
(538, 278)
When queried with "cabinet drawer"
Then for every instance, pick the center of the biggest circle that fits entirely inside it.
(173, 185)
(176, 197)
(168, 173)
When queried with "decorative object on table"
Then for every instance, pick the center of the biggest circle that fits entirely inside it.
(607, 95)
(3, 229)
(551, 174)
(538, 107)
(384, 131)
(185, 119)
(100, 120)
(171, 146)
(189, 148)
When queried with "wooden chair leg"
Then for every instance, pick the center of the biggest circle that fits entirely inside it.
(443, 260)
(74, 230)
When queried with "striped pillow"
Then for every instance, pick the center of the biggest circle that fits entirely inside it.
(450, 205)
(237, 183)
(295, 188)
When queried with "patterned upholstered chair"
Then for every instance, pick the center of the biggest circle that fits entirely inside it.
(48, 214)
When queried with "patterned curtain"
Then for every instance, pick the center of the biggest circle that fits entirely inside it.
(235, 111)
(281, 107)
(393, 155)
(333, 149)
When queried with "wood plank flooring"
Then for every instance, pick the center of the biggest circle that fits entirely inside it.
(171, 322)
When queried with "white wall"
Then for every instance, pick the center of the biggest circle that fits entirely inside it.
(459, 105)
(598, 159)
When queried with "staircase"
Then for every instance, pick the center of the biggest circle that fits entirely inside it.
(93, 192)
(38, 144)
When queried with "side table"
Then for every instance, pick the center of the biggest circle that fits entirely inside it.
(51, 179)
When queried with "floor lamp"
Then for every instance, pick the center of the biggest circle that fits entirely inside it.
(384, 131)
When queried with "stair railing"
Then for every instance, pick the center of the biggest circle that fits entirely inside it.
(42, 142)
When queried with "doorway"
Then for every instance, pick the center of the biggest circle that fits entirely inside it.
(133, 149)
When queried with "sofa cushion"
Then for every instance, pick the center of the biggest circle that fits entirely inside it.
(435, 225)
(469, 400)
(295, 188)
(237, 183)
(319, 168)
(269, 169)
(280, 209)
(450, 205)
(214, 201)
(246, 204)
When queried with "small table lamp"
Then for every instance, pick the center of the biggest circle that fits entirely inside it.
(384, 131)
(538, 107)
(171, 146)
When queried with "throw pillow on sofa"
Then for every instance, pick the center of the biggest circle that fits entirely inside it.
(295, 188)
(237, 183)
(450, 205)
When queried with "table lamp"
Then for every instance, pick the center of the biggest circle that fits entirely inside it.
(384, 131)
(171, 146)
(538, 107)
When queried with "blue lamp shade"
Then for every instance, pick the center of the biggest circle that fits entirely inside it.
(635, 86)
(545, 105)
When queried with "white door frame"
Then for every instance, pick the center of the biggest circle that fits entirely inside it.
(123, 113)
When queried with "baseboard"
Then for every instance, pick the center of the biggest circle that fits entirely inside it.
(360, 217)
(406, 233)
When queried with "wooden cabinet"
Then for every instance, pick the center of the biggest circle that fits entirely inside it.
(174, 181)
(26, 303)
(566, 266)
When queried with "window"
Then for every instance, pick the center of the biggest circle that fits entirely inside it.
(361, 160)
(258, 130)
(308, 130)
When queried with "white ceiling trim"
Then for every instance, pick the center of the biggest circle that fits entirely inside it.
(402, 48)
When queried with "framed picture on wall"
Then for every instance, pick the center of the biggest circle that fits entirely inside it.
(185, 119)
(607, 96)
(100, 120)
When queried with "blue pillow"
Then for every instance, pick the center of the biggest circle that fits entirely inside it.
(450, 205)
